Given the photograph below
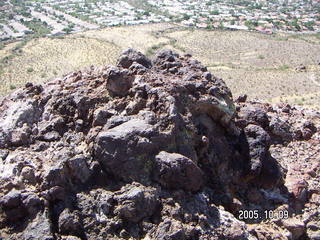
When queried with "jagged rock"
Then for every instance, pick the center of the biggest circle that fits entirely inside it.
(131, 161)
(170, 229)
(254, 115)
(4, 154)
(152, 150)
(301, 68)
(70, 238)
(297, 186)
(28, 175)
(79, 169)
(175, 171)
(13, 207)
(56, 193)
(258, 143)
(280, 129)
(32, 203)
(295, 226)
(39, 228)
(19, 114)
(130, 56)
(119, 81)
(264, 231)
(242, 98)
(101, 116)
(136, 202)
(96, 209)
(70, 223)
(313, 230)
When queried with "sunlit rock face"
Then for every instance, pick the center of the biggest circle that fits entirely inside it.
(147, 149)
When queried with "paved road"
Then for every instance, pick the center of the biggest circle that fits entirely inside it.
(18, 26)
(10, 32)
(57, 27)
(72, 19)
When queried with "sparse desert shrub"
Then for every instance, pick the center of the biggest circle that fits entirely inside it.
(67, 30)
(60, 37)
(299, 102)
(12, 87)
(154, 48)
(284, 67)
(29, 70)
(261, 57)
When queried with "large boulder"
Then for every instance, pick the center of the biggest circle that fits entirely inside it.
(70, 223)
(151, 150)
(175, 171)
(131, 56)
(119, 81)
(258, 142)
(125, 151)
(136, 202)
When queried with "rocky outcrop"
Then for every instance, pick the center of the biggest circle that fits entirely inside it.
(148, 150)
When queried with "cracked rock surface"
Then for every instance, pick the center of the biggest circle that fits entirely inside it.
(154, 149)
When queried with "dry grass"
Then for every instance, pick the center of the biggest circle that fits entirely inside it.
(6, 51)
(260, 65)
(46, 58)
(139, 37)
(243, 49)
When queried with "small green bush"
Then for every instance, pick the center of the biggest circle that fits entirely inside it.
(283, 67)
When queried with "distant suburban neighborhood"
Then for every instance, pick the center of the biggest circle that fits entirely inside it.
(31, 18)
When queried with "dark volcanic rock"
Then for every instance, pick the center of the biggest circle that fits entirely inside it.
(118, 81)
(70, 223)
(148, 150)
(254, 115)
(176, 171)
(130, 56)
(259, 142)
(125, 150)
(136, 202)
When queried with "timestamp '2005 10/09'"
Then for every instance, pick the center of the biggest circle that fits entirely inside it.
(267, 214)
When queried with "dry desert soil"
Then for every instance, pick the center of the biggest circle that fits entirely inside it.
(276, 68)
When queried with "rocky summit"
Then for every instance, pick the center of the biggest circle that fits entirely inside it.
(155, 149)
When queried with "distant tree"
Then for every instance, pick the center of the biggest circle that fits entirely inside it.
(185, 16)
(309, 25)
(215, 12)
(295, 24)
(146, 13)
(67, 30)
(251, 24)
(221, 25)
(209, 26)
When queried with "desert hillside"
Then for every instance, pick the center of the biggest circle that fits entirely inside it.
(276, 68)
